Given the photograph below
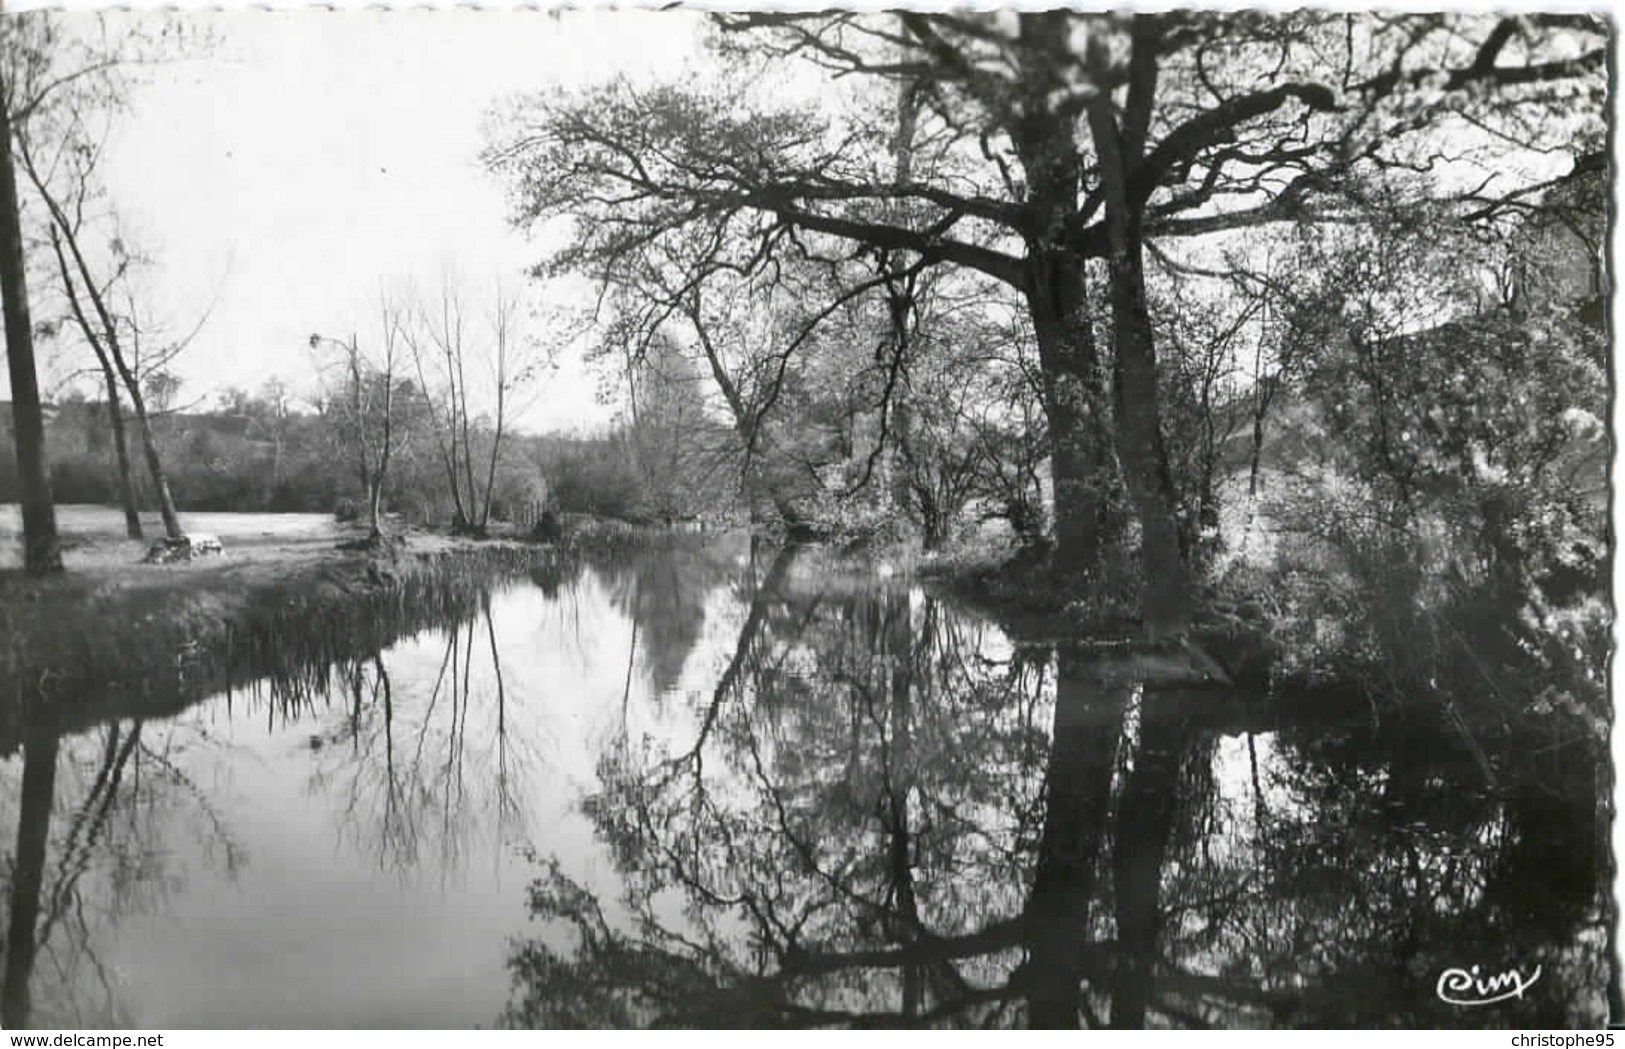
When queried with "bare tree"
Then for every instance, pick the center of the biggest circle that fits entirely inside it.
(367, 410)
(110, 382)
(439, 348)
(73, 212)
(114, 336)
(449, 353)
(49, 78)
(503, 380)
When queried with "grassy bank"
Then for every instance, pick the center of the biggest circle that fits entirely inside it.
(112, 637)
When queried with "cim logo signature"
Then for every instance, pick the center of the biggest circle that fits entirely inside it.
(1468, 987)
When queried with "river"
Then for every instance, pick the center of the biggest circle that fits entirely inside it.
(714, 784)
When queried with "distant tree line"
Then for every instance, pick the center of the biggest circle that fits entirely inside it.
(258, 452)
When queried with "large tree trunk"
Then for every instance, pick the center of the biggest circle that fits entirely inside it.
(1143, 826)
(1077, 800)
(1165, 602)
(42, 552)
(1081, 453)
(900, 294)
(1074, 399)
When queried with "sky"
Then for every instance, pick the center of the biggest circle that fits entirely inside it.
(316, 158)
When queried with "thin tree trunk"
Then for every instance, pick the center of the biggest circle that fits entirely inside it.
(155, 465)
(447, 450)
(369, 482)
(375, 498)
(457, 416)
(496, 438)
(132, 383)
(381, 475)
(121, 446)
(1254, 470)
(42, 552)
(468, 446)
(467, 508)
(464, 515)
(1257, 458)
(132, 512)
(276, 461)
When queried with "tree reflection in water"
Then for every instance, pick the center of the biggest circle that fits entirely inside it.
(423, 764)
(101, 784)
(876, 811)
(110, 790)
(663, 587)
(888, 816)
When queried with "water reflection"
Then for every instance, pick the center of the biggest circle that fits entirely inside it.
(663, 588)
(421, 774)
(118, 803)
(90, 815)
(724, 785)
(886, 817)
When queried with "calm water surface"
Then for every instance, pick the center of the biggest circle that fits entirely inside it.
(716, 786)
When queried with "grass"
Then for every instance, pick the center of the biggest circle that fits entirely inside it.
(111, 626)
(93, 536)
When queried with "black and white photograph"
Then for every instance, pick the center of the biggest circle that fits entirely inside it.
(757, 517)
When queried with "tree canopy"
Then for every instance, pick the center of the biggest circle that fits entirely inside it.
(1055, 151)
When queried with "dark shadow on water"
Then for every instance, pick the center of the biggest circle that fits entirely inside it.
(886, 816)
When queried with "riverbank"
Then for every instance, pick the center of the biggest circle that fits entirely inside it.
(112, 635)
(1231, 640)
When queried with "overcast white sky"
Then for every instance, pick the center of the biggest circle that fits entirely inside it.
(315, 155)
